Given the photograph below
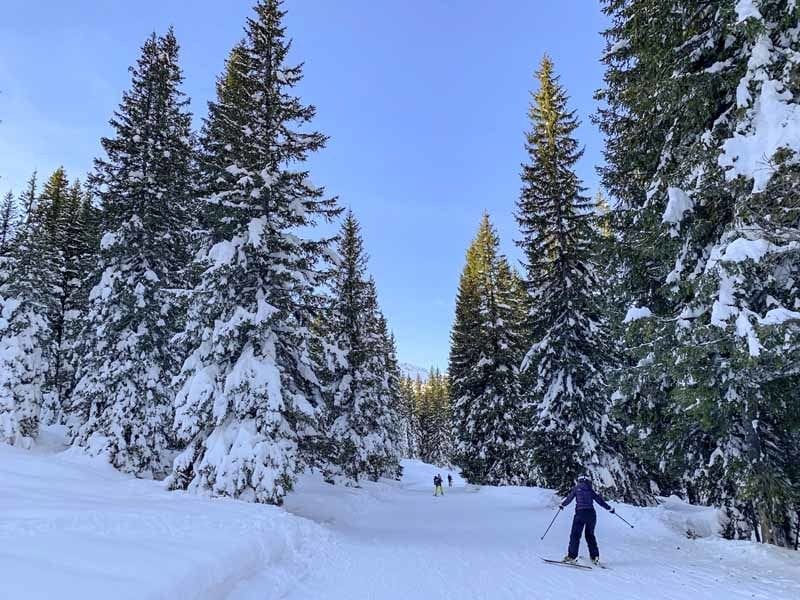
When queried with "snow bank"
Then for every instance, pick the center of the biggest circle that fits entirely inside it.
(99, 534)
(687, 519)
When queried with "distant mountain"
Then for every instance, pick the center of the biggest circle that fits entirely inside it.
(413, 371)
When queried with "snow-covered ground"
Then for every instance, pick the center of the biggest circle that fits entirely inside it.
(74, 528)
(399, 542)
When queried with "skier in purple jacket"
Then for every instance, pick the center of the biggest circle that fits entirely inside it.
(585, 518)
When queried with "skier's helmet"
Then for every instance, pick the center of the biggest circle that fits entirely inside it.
(583, 477)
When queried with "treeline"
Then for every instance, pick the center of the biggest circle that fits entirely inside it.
(429, 417)
(656, 344)
(176, 311)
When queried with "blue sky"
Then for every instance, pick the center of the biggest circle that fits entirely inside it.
(425, 102)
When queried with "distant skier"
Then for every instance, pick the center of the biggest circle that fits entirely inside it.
(585, 518)
(438, 490)
(449, 480)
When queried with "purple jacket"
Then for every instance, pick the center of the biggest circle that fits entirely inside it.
(584, 496)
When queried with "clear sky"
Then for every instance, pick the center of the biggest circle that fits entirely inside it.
(425, 102)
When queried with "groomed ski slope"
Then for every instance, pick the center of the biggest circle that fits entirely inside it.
(74, 528)
(399, 542)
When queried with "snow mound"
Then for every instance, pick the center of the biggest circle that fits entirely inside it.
(99, 534)
(687, 519)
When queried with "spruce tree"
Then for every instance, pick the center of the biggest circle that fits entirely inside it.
(63, 204)
(27, 200)
(51, 205)
(433, 408)
(8, 223)
(402, 418)
(122, 404)
(490, 423)
(27, 348)
(47, 220)
(9, 230)
(410, 420)
(421, 420)
(362, 420)
(249, 394)
(390, 443)
(567, 360)
(704, 182)
(81, 250)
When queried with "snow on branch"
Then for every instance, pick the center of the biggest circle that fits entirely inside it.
(637, 312)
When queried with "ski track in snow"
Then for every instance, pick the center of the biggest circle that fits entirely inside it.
(73, 528)
(403, 543)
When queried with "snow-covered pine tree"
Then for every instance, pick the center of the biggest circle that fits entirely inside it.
(391, 443)
(18, 216)
(221, 128)
(567, 360)
(639, 109)
(8, 223)
(81, 247)
(249, 393)
(48, 217)
(27, 348)
(403, 426)
(425, 420)
(8, 230)
(489, 421)
(122, 404)
(435, 421)
(701, 117)
(361, 412)
(409, 417)
(27, 200)
(51, 204)
(415, 386)
(64, 209)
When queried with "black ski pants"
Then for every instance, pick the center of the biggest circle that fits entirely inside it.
(584, 519)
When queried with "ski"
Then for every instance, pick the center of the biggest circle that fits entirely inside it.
(565, 564)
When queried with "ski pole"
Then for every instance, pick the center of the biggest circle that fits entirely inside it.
(623, 520)
(551, 523)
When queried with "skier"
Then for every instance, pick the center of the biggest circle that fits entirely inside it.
(449, 480)
(437, 485)
(585, 517)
